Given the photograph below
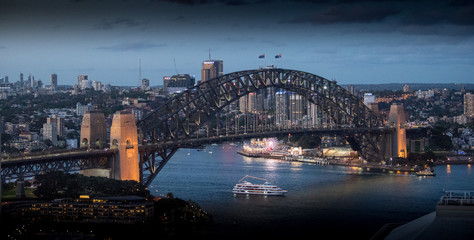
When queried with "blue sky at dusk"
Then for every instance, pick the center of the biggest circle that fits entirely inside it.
(351, 41)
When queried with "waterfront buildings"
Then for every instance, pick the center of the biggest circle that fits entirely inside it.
(122, 209)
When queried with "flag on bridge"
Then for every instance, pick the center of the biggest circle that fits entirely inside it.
(278, 56)
(261, 56)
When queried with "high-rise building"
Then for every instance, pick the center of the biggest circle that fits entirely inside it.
(369, 98)
(178, 83)
(145, 84)
(81, 78)
(21, 79)
(59, 124)
(469, 104)
(50, 132)
(211, 69)
(54, 81)
(248, 103)
(399, 140)
(351, 89)
(296, 108)
(281, 108)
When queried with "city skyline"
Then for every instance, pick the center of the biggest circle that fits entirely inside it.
(349, 41)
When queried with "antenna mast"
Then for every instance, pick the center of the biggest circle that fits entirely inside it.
(176, 69)
(210, 54)
(139, 72)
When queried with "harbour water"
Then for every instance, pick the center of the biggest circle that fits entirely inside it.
(326, 200)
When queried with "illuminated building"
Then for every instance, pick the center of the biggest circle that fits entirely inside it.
(178, 83)
(122, 209)
(211, 69)
(296, 108)
(281, 108)
(469, 104)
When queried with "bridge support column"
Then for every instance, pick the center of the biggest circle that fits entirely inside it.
(399, 141)
(123, 136)
(20, 188)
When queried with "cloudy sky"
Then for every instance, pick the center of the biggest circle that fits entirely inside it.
(351, 41)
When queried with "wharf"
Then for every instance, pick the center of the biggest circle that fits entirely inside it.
(368, 166)
(340, 161)
(260, 155)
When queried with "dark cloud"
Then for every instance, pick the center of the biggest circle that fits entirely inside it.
(454, 13)
(106, 24)
(138, 46)
(226, 2)
(189, 2)
(348, 14)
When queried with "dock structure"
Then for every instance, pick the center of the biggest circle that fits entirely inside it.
(315, 160)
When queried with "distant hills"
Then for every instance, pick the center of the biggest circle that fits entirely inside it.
(413, 86)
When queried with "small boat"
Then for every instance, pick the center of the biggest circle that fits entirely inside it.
(248, 188)
(426, 172)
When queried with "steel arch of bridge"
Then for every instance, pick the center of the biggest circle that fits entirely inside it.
(182, 116)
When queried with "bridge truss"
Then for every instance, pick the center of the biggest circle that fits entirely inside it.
(193, 116)
(25, 167)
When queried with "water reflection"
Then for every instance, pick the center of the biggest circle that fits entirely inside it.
(448, 169)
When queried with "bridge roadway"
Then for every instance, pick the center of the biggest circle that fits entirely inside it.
(198, 141)
(29, 165)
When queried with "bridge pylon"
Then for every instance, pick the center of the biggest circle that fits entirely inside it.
(123, 136)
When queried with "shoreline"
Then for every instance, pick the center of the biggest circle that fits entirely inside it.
(344, 161)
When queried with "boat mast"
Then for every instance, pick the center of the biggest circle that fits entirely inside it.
(246, 176)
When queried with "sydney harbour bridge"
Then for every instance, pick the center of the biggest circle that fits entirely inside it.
(200, 115)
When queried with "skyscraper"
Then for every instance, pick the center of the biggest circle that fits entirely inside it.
(281, 108)
(469, 104)
(211, 69)
(54, 81)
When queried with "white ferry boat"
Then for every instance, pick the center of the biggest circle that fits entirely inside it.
(426, 172)
(245, 187)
